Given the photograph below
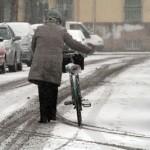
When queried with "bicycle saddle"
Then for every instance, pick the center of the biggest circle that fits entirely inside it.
(73, 68)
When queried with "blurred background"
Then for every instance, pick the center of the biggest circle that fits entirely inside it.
(123, 24)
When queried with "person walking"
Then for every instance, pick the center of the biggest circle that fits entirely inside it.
(46, 69)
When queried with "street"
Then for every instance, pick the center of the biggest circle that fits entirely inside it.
(117, 85)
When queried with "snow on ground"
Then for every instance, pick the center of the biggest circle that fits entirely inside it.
(89, 69)
(13, 76)
(119, 106)
(129, 102)
(16, 99)
(124, 106)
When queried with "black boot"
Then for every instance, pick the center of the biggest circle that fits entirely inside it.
(43, 121)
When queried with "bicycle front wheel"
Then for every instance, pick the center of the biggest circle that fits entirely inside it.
(77, 99)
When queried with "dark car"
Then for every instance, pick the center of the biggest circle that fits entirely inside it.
(10, 50)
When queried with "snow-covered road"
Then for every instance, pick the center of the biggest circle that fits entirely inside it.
(118, 119)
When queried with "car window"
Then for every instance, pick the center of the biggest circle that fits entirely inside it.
(81, 28)
(11, 32)
(76, 34)
(4, 33)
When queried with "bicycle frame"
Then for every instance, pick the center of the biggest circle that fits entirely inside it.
(74, 70)
(77, 99)
(78, 85)
(76, 95)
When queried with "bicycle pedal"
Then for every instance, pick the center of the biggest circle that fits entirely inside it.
(68, 103)
(86, 103)
(75, 108)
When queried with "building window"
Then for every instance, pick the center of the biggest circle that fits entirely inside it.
(66, 8)
(133, 44)
(133, 11)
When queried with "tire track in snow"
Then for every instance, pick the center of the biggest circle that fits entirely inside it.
(24, 81)
(14, 123)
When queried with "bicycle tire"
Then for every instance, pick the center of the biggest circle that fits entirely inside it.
(77, 99)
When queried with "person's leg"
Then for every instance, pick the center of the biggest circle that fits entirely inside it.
(42, 101)
(52, 101)
(48, 101)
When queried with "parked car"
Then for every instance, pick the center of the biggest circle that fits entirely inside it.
(2, 56)
(77, 35)
(90, 38)
(34, 26)
(78, 57)
(10, 52)
(25, 31)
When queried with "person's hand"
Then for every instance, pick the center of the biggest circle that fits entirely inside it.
(91, 46)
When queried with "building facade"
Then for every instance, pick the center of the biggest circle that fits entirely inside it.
(123, 24)
(23, 10)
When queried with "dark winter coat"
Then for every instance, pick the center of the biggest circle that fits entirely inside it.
(47, 45)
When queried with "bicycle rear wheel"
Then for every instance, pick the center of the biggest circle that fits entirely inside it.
(77, 98)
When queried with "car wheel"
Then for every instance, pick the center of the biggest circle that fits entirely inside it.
(13, 68)
(29, 64)
(3, 68)
(19, 66)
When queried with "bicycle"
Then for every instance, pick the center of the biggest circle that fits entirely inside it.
(77, 101)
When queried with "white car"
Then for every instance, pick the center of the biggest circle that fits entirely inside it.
(90, 39)
(35, 26)
(25, 31)
(77, 35)
(10, 52)
(78, 58)
(96, 41)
